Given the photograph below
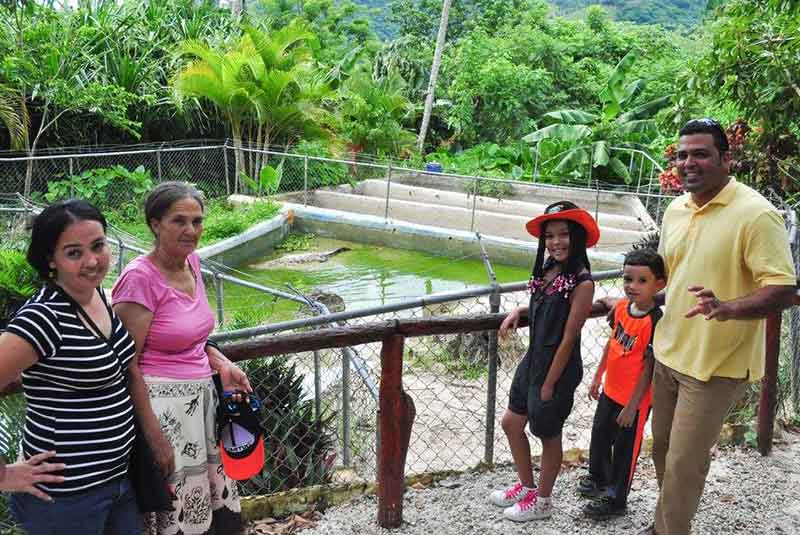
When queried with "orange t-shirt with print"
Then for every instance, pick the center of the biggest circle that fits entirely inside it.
(630, 346)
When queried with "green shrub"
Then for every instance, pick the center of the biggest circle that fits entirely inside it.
(296, 242)
(108, 188)
(299, 447)
(223, 221)
(18, 281)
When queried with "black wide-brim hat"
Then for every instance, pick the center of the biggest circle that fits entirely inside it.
(565, 210)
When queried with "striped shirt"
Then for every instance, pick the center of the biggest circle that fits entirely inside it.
(77, 399)
(4, 439)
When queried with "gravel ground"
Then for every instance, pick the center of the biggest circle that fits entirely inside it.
(744, 494)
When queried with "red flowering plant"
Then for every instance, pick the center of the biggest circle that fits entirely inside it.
(668, 179)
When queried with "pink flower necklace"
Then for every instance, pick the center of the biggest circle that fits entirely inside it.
(561, 283)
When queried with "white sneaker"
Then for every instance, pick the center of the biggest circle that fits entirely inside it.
(531, 507)
(509, 496)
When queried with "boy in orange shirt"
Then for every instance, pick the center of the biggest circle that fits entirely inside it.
(624, 404)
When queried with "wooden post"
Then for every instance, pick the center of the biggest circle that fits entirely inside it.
(396, 418)
(768, 401)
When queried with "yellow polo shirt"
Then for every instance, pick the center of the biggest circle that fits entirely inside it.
(734, 245)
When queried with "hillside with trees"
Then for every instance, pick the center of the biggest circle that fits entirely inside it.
(519, 87)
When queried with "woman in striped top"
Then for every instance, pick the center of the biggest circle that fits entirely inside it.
(73, 352)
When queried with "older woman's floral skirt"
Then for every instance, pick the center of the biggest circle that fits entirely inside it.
(207, 501)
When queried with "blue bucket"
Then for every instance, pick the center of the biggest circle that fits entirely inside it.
(433, 167)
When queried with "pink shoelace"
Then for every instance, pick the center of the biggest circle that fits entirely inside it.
(513, 491)
(528, 501)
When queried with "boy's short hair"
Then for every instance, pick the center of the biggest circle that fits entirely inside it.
(649, 258)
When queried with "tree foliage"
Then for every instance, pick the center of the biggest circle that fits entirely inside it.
(754, 64)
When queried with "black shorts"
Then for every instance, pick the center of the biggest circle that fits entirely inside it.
(545, 418)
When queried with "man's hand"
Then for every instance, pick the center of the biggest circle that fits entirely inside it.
(594, 390)
(626, 416)
(708, 305)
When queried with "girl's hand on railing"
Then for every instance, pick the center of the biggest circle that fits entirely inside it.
(510, 323)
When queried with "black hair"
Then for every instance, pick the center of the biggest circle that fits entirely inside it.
(50, 224)
(648, 258)
(577, 260)
(162, 197)
(707, 126)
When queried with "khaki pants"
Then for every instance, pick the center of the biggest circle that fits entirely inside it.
(687, 418)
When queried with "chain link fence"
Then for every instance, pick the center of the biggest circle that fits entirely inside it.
(114, 176)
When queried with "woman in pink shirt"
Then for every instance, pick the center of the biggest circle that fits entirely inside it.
(162, 301)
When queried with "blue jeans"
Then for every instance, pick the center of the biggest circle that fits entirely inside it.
(106, 509)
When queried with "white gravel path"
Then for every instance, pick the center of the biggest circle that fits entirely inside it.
(745, 494)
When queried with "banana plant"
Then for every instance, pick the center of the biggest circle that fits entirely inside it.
(590, 136)
(269, 180)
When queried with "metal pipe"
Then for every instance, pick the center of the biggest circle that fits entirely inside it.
(227, 172)
(388, 187)
(218, 286)
(305, 180)
(317, 387)
(104, 154)
(491, 357)
(346, 411)
(120, 255)
(474, 204)
(371, 311)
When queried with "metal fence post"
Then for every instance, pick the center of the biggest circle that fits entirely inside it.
(474, 204)
(158, 164)
(491, 387)
(388, 188)
(120, 255)
(492, 357)
(346, 416)
(219, 298)
(305, 180)
(317, 387)
(71, 182)
(225, 163)
(536, 164)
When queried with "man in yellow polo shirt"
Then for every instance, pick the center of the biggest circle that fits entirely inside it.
(727, 255)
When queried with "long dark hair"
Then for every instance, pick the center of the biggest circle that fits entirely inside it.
(50, 224)
(577, 260)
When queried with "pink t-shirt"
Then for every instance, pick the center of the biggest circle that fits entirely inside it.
(175, 344)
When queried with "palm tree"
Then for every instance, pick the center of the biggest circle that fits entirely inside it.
(437, 62)
(287, 91)
(265, 86)
(591, 136)
(218, 77)
(14, 116)
(372, 114)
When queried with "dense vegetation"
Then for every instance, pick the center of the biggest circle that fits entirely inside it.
(520, 88)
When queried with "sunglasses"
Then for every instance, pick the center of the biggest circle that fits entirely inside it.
(234, 406)
(711, 123)
(560, 207)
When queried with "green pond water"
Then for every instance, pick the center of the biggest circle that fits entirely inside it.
(364, 276)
